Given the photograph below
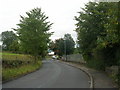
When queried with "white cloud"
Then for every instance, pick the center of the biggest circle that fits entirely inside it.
(60, 12)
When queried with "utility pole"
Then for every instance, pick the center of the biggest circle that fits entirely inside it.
(65, 49)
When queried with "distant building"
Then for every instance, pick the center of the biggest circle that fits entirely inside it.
(50, 52)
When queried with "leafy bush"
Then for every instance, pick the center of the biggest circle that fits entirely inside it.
(11, 60)
(20, 57)
(98, 35)
(14, 63)
(94, 63)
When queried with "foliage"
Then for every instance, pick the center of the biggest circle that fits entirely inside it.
(110, 35)
(33, 32)
(11, 60)
(8, 37)
(98, 33)
(57, 46)
(14, 63)
(63, 46)
(14, 47)
(69, 44)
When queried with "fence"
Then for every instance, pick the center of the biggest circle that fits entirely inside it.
(74, 58)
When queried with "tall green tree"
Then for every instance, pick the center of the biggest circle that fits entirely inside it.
(33, 32)
(58, 46)
(69, 44)
(15, 46)
(90, 23)
(111, 34)
(7, 38)
(98, 33)
(64, 45)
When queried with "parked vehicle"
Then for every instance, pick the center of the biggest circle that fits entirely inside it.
(54, 57)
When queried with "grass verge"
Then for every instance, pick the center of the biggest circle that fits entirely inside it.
(11, 73)
(7, 53)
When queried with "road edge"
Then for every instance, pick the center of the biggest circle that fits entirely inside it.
(89, 75)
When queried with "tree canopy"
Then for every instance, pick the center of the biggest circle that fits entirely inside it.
(33, 32)
(63, 46)
(98, 33)
(7, 38)
(69, 44)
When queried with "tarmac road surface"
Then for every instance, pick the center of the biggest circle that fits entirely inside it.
(53, 74)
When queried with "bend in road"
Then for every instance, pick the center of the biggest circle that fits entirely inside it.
(53, 74)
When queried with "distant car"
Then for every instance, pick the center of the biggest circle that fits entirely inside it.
(54, 57)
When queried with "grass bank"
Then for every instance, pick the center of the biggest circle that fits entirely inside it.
(11, 73)
(14, 56)
(16, 65)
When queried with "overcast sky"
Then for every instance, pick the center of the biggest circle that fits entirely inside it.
(60, 12)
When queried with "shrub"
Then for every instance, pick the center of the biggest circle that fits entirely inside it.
(14, 63)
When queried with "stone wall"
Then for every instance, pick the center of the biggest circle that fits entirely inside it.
(113, 70)
(74, 58)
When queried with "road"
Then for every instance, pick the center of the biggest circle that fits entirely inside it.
(53, 74)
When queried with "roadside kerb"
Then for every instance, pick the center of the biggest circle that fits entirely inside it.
(90, 76)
